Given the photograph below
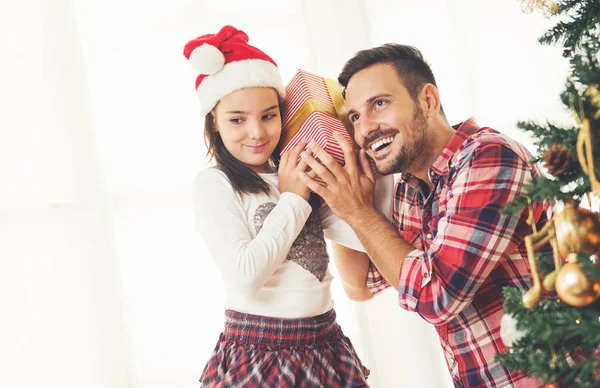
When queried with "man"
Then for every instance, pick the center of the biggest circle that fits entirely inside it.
(450, 249)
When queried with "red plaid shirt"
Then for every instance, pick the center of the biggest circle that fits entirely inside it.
(466, 249)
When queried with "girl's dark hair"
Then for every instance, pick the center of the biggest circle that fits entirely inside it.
(242, 178)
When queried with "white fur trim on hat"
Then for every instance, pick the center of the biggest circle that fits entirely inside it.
(238, 75)
(207, 59)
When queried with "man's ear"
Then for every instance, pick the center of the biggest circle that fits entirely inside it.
(430, 97)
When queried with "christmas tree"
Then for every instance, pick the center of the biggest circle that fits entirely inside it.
(556, 324)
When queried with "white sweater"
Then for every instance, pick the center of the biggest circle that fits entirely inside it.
(268, 266)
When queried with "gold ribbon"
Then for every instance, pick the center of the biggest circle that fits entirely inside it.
(335, 92)
(338, 111)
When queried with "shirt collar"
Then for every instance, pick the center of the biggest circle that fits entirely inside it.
(464, 130)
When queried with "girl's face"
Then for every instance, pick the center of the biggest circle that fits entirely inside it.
(249, 123)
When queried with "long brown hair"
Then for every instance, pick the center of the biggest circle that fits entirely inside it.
(242, 178)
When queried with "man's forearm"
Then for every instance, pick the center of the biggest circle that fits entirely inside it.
(382, 243)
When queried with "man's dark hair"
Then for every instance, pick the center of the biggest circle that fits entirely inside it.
(408, 61)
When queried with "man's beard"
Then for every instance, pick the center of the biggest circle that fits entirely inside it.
(411, 156)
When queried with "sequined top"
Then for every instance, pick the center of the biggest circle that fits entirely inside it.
(270, 249)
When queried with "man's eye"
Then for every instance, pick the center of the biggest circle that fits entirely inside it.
(380, 102)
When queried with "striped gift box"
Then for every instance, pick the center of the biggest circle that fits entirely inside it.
(313, 110)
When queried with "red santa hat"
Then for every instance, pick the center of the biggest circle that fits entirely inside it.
(226, 63)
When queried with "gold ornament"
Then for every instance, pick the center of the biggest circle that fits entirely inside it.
(550, 281)
(573, 285)
(585, 154)
(593, 96)
(577, 230)
(596, 372)
(545, 7)
(534, 241)
(573, 230)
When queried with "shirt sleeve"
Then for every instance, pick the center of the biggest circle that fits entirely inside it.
(375, 281)
(472, 238)
(336, 229)
(246, 263)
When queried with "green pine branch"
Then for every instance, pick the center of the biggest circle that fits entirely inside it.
(576, 183)
(559, 341)
(583, 16)
(548, 134)
(585, 66)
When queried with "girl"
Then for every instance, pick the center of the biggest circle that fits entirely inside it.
(264, 235)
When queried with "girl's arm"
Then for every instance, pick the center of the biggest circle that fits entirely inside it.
(245, 262)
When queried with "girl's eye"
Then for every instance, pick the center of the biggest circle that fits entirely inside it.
(236, 120)
(354, 117)
(269, 116)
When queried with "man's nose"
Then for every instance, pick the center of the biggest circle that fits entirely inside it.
(365, 128)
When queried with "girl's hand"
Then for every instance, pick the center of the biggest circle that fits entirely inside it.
(289, 169)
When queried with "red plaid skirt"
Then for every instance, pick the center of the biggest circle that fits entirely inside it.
(256, 351)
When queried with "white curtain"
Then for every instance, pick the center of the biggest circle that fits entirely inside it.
(103, 280)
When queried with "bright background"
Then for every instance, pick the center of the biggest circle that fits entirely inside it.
(103, 281)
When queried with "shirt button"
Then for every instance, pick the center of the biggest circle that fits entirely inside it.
(431, 173)
(425, 275)
(428, 235)
(451, 361)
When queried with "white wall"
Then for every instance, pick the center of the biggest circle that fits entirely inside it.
(60, 324)
(105, 280)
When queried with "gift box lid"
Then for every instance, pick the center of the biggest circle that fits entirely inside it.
(308, 93)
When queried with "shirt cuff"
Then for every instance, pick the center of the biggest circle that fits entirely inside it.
(415, 274)
(375, 281)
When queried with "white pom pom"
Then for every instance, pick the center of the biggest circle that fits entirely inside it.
(207, 59)
(508, 330)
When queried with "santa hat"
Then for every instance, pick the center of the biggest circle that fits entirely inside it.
(226, 63)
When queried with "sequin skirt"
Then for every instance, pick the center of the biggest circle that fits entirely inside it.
(255, 351)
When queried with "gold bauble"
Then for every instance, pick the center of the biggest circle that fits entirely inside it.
(577, 230)
(574, 287)
(545, 7)
(532, 297)
(550, 281)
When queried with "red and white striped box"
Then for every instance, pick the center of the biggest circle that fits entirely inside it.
(313, 110)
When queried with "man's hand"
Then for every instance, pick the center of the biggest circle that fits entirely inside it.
(348, 190)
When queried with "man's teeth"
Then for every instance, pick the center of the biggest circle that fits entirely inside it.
(379, 143)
